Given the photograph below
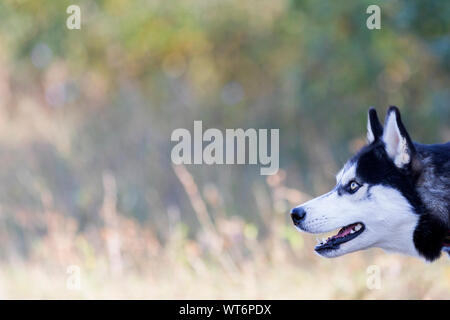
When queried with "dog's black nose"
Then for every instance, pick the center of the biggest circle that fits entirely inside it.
(297, 214)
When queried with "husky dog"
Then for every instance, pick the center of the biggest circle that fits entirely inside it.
(393, 194)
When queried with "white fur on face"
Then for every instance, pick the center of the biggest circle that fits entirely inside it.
(388, 218)
(347, 173)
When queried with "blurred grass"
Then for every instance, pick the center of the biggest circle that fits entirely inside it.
(124, 260)
(85, 121)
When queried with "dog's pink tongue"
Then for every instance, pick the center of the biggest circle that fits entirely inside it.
(345, 231)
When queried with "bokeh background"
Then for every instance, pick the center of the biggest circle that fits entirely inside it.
(85, 121)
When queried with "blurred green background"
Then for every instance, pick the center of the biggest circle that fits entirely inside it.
(85, 123)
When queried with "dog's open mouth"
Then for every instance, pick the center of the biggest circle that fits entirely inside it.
(346, 234)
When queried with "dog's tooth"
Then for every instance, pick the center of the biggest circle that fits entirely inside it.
(358, 227)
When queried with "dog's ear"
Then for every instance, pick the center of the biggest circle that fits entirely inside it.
(374, 127)
(398, 144)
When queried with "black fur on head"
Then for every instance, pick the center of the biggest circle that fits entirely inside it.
(374, 127)
(391, 159)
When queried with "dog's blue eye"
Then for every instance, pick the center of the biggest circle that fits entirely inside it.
(354, 186)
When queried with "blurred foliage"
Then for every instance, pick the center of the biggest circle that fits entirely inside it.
(79, 105)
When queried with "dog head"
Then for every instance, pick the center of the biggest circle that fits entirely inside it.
(374, 203)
